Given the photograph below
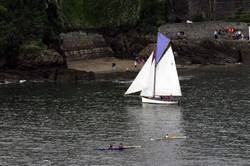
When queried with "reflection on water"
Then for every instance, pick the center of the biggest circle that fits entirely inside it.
(61, 124)
(155, 122)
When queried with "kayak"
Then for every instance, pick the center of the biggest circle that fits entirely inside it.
(109, 149)
(119, 148)
(169, 138)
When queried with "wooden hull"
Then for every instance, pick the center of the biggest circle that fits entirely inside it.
(158, 101)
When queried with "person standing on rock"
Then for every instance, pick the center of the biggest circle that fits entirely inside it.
(215, 34)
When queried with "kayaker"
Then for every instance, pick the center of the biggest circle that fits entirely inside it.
(120, 146)
(110, 146)
(166, 136)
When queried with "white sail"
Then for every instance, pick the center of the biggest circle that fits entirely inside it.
(167, 81)
(148, 89)
(141, 79)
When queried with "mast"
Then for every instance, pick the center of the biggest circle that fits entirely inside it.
(151, 85)
(156, 66)
(154, 72)
(161, 47)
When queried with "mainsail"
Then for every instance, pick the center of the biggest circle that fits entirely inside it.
(167, 81)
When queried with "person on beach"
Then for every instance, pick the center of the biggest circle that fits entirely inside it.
(179, 35)
(135, 63)
(113, 67)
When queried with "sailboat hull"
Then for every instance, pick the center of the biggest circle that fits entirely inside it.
(158, 101)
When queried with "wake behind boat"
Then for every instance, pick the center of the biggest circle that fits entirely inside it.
(158, 80)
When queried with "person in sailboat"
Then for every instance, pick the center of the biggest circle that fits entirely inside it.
(167, 98)
(171, 98)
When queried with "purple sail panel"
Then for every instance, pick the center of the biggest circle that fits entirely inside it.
(162, 44)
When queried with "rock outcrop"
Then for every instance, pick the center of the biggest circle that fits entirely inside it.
(41, 75)
(200, 30)
(207, 51)
(44, 59)
(198, 45)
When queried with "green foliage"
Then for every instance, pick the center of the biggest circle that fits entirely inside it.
(198, 18)
(22, 21)
(3, 11)
(31, 48)
(73, 11)
(242, 16)
(154, 12)
(98, 14)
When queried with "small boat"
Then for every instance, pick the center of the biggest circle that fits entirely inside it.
(118, 148)
(158, 80)
(169, 138)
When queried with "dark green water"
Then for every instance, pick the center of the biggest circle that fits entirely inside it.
(61, 124)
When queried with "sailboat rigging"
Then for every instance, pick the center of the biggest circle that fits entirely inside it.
(158, 79)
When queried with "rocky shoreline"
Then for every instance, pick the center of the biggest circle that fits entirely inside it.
(81, 53)
(45, 75)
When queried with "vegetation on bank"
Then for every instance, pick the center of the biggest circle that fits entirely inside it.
(23, 22)
(28, 26)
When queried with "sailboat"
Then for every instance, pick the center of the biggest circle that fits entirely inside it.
(158, 79)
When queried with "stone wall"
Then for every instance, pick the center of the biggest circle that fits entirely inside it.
(82, 45)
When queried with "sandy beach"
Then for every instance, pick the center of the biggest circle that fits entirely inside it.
(104, 65)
